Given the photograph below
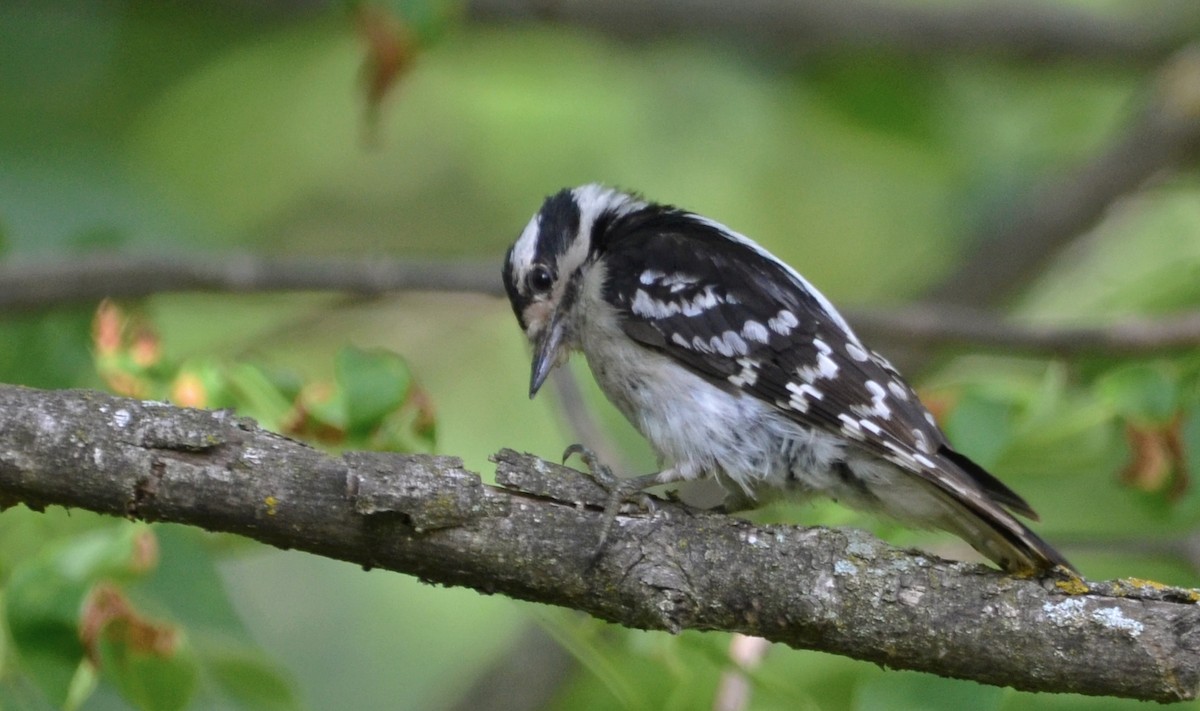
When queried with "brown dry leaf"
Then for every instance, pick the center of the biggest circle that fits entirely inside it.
(391, 50)
(107, 611)
(1157, 462)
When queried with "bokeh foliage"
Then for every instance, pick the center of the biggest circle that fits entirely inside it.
(217, 125)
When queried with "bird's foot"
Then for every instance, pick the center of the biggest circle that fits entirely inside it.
(620, 491)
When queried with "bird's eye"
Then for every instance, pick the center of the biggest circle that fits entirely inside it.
(540, 279)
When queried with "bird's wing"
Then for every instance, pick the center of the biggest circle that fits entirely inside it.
(736, 316)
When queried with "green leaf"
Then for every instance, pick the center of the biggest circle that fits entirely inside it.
(374, 383)
(158, 675)
(45, 595)
(47, 350)
(251, 680)
(18, 693)
(1147, 393)
(877, 93)
(1187, 508)
(581, 638)
(911, 691)
(99, 238)
(189, 587)
(981, 427)
(256, 395)
(428, 19)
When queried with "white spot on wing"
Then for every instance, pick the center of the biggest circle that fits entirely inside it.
(900, 455)
(921, 440)
(801, 392)
(882, 362)
(871, 427)
(755, 331)
(748, 375)
(674, 282)
(650, 276)
(801, 281)
(678, 281)
(879, 406)
(649, 307)
(851, 426)
(826, 366)
(729, 343)
(856, 352)
(704, 301)
(783, 322)
(898, 390)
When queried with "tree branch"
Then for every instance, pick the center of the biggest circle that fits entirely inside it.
(798, 28)
(840, 591)
(39, 283)
(28, 284)
(931, 325)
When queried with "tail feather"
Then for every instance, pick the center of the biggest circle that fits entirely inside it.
(992, 486)
(956, 499)
(983, 519)
(1001, 537)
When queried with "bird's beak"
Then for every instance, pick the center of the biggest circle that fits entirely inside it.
(546, 352)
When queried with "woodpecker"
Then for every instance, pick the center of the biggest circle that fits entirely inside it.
(733, 366)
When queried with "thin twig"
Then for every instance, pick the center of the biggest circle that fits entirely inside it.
(930, 325)
(799, 28)
(38, 283)
(41, 284)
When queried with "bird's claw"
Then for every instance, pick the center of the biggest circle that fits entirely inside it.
(599, 471)
(620, 491)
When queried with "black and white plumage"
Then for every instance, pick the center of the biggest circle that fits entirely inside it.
(732, 365)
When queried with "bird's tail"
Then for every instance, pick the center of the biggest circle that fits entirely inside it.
(998, 534)
(984, 516)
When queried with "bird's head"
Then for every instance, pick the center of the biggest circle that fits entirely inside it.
(545, 267)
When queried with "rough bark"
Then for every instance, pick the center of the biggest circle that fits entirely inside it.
(533, 537)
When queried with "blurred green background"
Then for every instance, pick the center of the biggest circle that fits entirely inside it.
(215, 125)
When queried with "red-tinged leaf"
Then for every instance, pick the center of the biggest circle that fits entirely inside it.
(391, 49)
(146, 659)
(1158, 462)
